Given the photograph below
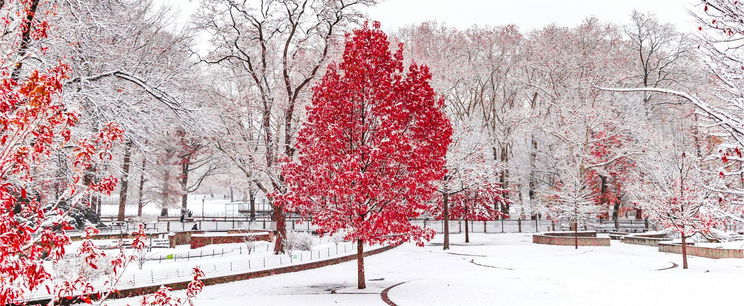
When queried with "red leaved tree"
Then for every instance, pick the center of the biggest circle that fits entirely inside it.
(476, 203)
(35, 125)
(372, 148)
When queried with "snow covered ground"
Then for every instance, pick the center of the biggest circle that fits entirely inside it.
(504, 269)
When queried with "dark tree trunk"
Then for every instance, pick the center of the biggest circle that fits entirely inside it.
(59, 182)
(533, 162)
(184, 185)
(281, 229)
(576, 235)
(252, 201)
(28, 24)
(97, 204)
(165, 192)
(505, 176)
(361, 284)
(124, 181)
(533, 180)
(467, 231)
(445, 200)
(684, 252)
(141, 187)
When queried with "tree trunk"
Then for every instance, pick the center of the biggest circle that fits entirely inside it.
(165, 192)
(97, 203)
(26, 29)
(252, 201)
(445, 199)
(141, 186)
(533, 180)
(184, 185)
(281, 229)
(467, 231)
(361, 284)
(124, 181)
(576, 235)
(59, 183)
(616, 216)
(684, 252)
(505, 176)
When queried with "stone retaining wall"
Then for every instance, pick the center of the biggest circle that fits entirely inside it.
(200, 240)
(699, 251)
(184, 237)
(586, 240)
(639, 240)
(181, 238)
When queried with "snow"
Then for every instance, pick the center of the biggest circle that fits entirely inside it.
(497, 268)
(732, 245)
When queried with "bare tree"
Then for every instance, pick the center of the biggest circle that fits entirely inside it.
(279, 48)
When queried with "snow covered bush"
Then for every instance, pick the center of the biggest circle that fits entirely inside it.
(298, 241)
(250, 243)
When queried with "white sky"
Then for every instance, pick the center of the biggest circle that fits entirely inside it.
(526, 14)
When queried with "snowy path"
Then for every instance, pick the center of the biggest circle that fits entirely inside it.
(498, 268)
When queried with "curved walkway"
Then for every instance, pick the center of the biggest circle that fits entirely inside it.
(384, 294)
(674, 265)
(542, 275)
(472, 261)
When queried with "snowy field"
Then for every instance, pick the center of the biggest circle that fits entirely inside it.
(505, 269)
(166, 265)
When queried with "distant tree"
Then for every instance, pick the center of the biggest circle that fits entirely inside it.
(471, 189)
(718, 103)
(372, 148)
(572, 199)
(671, 191)
(474, 203)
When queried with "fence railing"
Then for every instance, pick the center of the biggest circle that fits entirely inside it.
(154, 271)
(456, 226)
(496, 226)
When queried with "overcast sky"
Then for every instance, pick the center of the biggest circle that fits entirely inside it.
(526, 14)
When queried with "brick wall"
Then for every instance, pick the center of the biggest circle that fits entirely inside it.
(184, 237)
(181, 238)
(198, 241)
(569, 241)
(703, 251)
(649, 241)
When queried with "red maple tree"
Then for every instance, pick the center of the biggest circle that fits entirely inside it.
(373, 145)
(607, 181)
(477, 203)
(35, 124)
